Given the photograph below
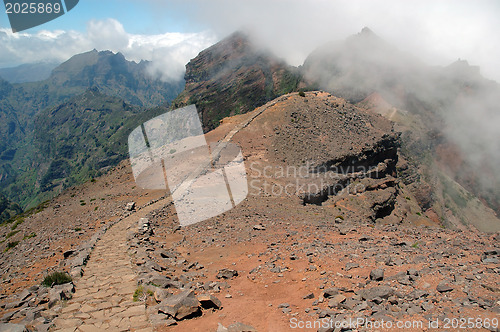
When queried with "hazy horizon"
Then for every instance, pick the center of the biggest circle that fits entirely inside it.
(170, 33)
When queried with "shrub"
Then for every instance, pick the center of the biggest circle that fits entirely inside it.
(56, 278)
(138, 294)
(17, 223)
(32, 235)
(302, 94)
(10, 234)
(11, 245)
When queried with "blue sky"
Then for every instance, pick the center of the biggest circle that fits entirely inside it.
(141, 17)
(170, 32)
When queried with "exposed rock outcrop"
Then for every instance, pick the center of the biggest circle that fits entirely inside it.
(234, 76)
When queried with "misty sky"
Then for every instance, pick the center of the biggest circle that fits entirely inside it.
(171, 32)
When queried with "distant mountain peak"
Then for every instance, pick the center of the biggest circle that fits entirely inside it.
(236, 44)
(367, 31)
(236, 76)
(366, 35)
(461, 69)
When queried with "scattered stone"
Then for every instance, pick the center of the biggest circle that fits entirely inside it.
(350, 266)
(491, 256)
(377, 275)
(309, 296)
(240, 327)
(491, 288)
(161, 320)
(336, 301)
(443, 287)
(402, 277)
(25, 295)
(209, 301)
(130, 206)
(180, 306)
(160, 294)
(226, 274)
(61, 293)
(68, 253)
(330, 292)
(144, 226)
(382, 292)
(221, 328)
(164, 282)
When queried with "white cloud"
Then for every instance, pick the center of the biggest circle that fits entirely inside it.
(169, 52)
(439, 32)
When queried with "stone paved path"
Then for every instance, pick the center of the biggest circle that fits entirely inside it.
(103, 300)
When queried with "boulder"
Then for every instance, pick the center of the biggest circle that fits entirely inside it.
(377, 275)
(130, 206)
(180, 306)
(382, 292)
(443, 287)
(226, 274)
(209, 301)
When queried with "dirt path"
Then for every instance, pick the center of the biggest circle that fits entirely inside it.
(104, 295)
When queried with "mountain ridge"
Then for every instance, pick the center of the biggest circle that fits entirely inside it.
(30, 72)
(21, 104)
(234, 76)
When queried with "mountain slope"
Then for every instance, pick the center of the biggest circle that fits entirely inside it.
(26, 129)
(115, 76)
(31, 72)
(440, 111)
(109, 72)
(74, 142)
(234, 76)
(7, 209)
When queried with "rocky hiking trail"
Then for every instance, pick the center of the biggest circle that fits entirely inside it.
(104, 294)
(101, 296)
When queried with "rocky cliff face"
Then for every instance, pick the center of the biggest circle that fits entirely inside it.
(232, 77)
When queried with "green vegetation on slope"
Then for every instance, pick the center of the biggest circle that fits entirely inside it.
(74, 142)
(66, 129)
